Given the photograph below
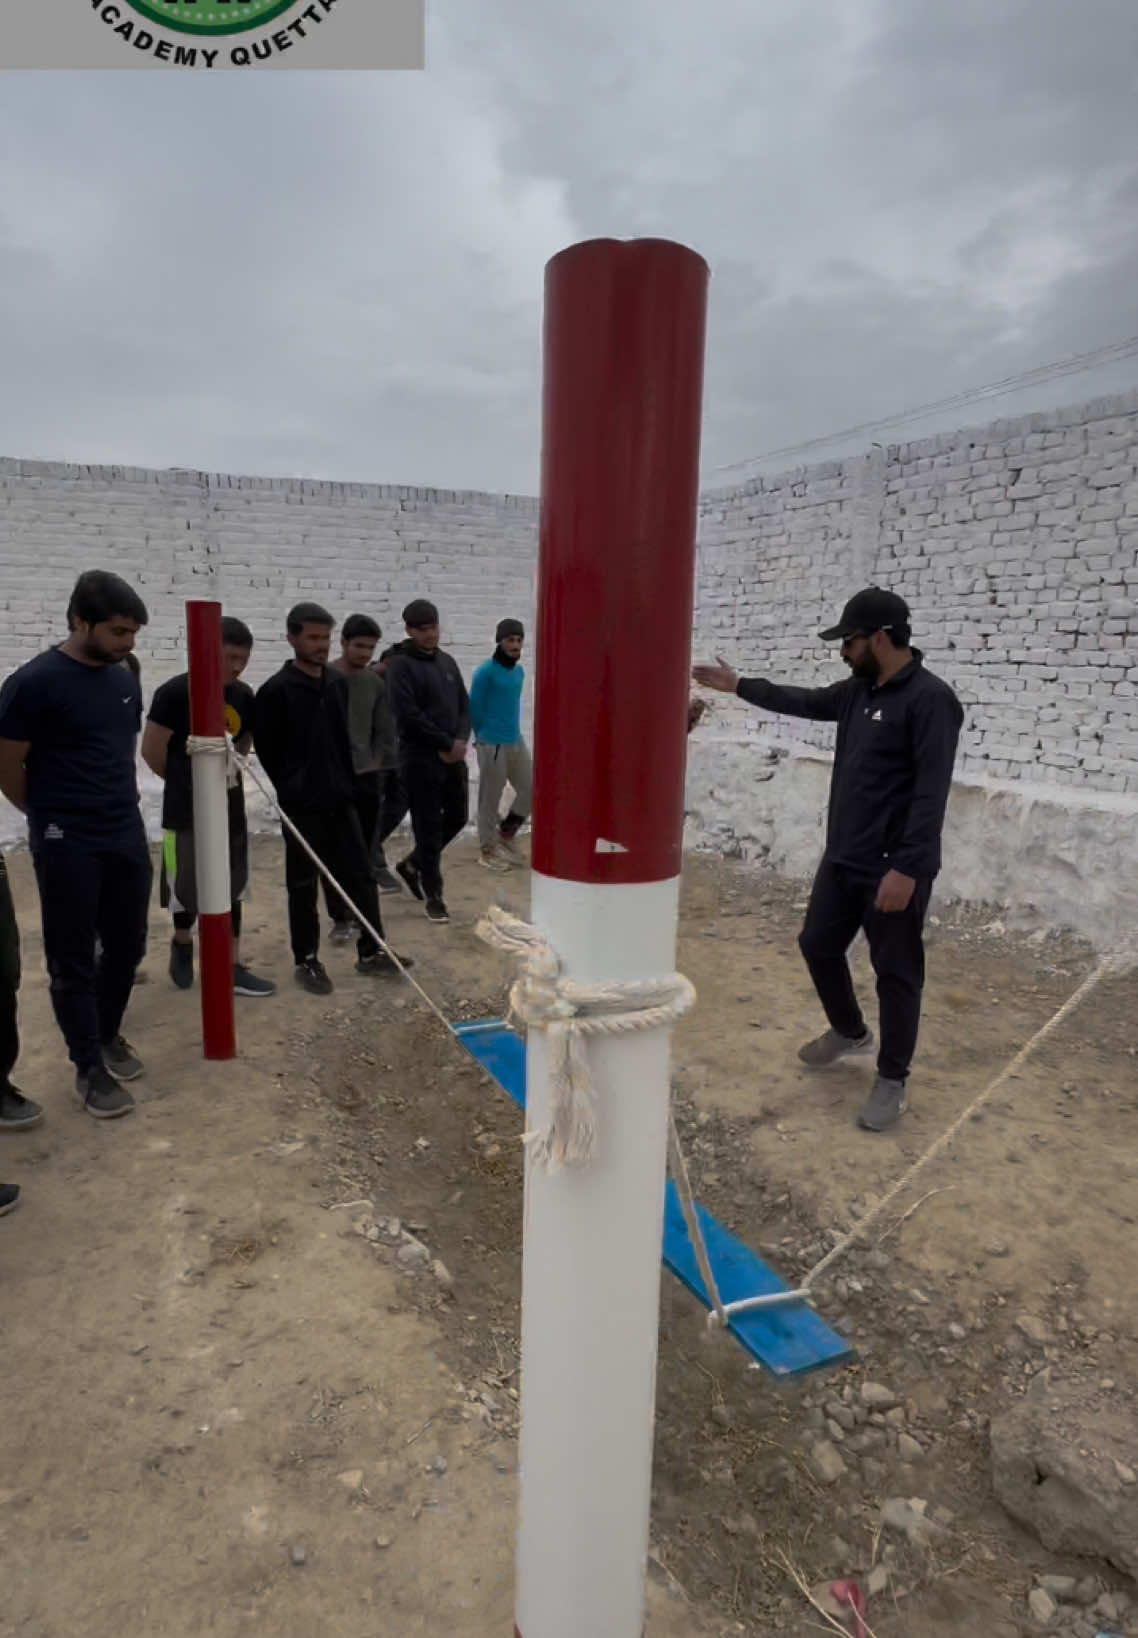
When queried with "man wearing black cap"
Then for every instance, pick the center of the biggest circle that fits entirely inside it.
(432, 719)
(503, 755)
(898, 728)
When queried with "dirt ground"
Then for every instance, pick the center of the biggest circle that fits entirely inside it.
(225, 1409)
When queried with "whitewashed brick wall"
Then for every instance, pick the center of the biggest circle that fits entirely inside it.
(1016, 546)
(260, 545)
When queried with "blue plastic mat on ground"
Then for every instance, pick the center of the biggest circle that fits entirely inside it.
(787, 1341)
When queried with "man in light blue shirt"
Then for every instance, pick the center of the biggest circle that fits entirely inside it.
(503, 755)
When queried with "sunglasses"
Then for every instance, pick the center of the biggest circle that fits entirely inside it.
(852, 636)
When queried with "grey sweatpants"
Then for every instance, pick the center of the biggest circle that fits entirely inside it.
(499, 766)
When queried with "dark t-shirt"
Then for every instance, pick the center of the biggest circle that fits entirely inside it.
(170, 708)
(81, 723)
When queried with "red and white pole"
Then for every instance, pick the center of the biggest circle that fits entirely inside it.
(624, 350)
(211, 830)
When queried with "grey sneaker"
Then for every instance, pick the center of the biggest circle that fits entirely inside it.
(828, 1048)
(17, 1113)
(887, 1103)
(492, 858)
(343, 932)
(102, 1096)
(387, 881)
(120, 1059)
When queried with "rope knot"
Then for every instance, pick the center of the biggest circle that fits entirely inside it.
(542, 998)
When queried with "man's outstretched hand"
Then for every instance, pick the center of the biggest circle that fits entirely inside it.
(718, 676)
(894, 892)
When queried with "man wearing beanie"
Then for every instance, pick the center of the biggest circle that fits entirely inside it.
(503, 756)
(432, 720)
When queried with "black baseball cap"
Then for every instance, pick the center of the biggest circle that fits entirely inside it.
(868, 611)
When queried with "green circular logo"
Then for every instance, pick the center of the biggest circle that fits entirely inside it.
(207, 17)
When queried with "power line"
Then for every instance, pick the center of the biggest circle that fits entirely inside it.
(1074, 364)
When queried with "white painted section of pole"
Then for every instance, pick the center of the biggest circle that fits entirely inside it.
(591, 1286)
(211, 832)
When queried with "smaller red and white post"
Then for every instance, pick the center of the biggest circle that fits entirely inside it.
(210, 767)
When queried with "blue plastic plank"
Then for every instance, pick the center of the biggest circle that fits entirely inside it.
(787, 1341)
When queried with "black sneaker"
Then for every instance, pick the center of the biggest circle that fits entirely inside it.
(387, 881)
(311, 975)
(182, 964)
(102, 1096)
(343, 932)
(247, 983)
(380, 965)
(437, 911)
(9, 1198)
(118, 1055)
(17, 1113)
(410, 876)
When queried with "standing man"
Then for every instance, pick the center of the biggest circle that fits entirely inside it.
(503, 756)
(898, 728)
(432, 719)
(164, 752)
(393, 797)
(69, 723)
(17, 1113)
(300, 732)
(372, 736)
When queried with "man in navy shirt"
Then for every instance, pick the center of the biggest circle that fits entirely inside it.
(898, 728)
(69, 722)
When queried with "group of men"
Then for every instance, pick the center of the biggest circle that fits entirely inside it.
(351, 747)
(355, 744)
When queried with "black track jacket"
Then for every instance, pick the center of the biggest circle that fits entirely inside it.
(428, 701)
(300, 734)
(893, 763)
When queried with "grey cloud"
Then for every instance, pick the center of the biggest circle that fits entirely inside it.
(341, 275)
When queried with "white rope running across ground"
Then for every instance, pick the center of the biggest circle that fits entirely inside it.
(246, 767)
(570, 1013)
(1113, 964)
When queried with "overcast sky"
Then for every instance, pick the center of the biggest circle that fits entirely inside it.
(340, 275)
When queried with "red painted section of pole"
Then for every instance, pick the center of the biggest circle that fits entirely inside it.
(215, 929)
(625, 325)
(215, 950)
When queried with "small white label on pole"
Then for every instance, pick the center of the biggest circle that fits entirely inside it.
(608, 847)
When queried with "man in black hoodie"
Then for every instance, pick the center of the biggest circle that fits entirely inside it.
(301, 738)
(432, 718)
(898, 728)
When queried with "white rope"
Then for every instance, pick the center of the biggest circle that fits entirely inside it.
(1116, 962)
(214, 745)
(569, 1014)
(246, 766)
(679, 1166)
